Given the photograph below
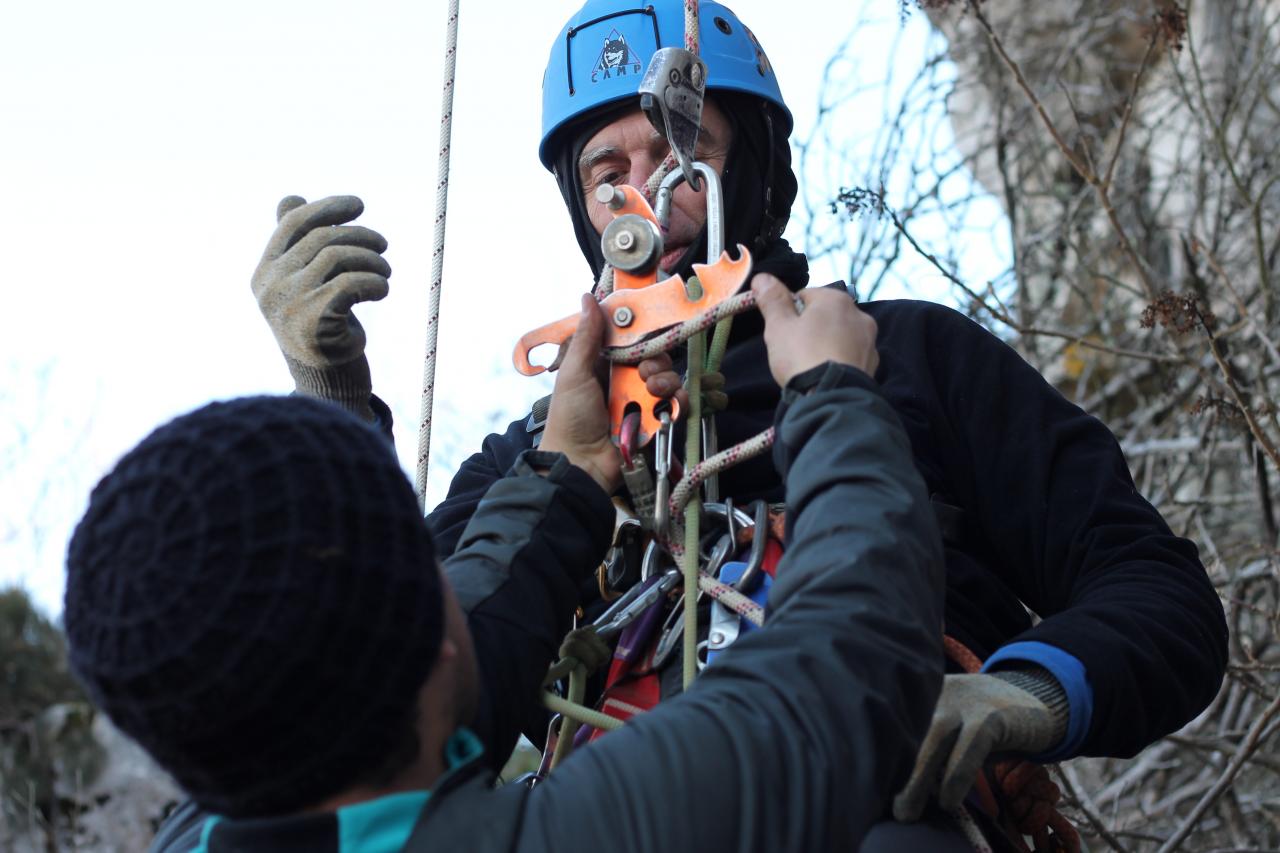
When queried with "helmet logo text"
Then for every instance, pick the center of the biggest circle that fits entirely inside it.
(616, 59)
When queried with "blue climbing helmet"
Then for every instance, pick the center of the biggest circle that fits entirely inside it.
(601, 55)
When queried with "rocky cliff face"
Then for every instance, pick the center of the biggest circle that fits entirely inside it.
(68, 779)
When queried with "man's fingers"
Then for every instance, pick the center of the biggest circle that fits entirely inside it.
(288, 203)
(584, 347)
(909, 805)
(306, 249)
(663, 384)
(773, 299)
(682, 399)
(333, 261)
(660, 363)
(294, 225)
(349, 288)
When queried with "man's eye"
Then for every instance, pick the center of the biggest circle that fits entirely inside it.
(607, 177)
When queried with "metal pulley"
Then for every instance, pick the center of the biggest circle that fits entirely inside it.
(631, 243)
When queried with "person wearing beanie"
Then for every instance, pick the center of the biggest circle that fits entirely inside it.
(1096, 628)
(254, 597)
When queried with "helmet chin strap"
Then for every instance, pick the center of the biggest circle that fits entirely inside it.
(769, 227)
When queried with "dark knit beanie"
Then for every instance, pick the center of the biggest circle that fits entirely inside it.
(253, 596)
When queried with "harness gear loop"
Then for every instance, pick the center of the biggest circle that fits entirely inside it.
(437, 256)
(1026, 796)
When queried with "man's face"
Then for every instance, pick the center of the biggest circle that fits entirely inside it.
(628, 150)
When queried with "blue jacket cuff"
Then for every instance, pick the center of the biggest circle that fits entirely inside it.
(1074, 680)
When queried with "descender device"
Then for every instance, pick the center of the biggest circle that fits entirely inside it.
(640, 306)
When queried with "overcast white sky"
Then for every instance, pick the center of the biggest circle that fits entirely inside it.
(144, 146)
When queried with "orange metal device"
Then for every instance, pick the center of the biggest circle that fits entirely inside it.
(648, 307)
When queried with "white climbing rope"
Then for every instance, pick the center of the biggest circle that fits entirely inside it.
(437, 255)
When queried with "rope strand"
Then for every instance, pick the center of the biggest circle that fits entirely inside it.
(437, 256)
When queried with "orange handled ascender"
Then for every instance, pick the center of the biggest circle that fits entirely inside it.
(640, 306)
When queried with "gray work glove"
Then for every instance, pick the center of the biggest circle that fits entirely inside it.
(1019, 711)
(314, 269)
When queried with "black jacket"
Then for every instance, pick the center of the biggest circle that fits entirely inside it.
(793, 739)
(1048, 517)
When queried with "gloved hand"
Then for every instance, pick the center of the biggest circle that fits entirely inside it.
(313, 270)
(1018, 711)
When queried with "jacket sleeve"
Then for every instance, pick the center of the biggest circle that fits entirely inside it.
(1048, 488)
(474, 477)
(516, 573)
(796, 737)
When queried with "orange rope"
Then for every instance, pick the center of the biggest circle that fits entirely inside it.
(1029, 797)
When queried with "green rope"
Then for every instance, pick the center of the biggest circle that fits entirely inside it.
(560, 669)
(581, 713)
(569, 725)
(719, 343)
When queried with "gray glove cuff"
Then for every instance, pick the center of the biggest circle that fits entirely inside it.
(347, 385)
(1040, 683)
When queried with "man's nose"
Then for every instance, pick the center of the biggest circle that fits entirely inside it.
(642, 168)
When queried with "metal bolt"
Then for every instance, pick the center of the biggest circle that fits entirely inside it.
(610, 195)
(716, 638)
(623, 317)
(625, 240)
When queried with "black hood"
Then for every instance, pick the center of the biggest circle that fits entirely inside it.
(759, 188)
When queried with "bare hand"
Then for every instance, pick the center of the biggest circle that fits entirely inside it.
(578, 423)
(832, 328)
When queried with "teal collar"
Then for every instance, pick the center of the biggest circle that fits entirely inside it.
(381, 825)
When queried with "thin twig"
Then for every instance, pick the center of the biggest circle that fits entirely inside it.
(1067, 776)
(1251, 742)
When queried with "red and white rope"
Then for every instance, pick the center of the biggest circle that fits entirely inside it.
(437, 255)
(694, 477)
(664, 341)
(691, 24)
(731, 598)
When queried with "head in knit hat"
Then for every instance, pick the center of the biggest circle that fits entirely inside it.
(253, 596)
